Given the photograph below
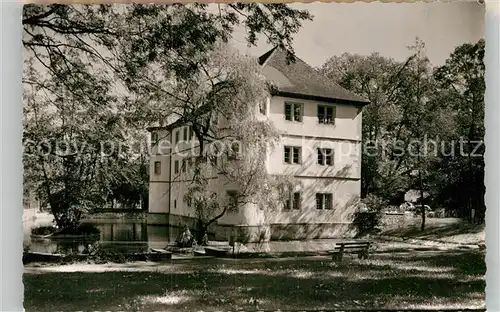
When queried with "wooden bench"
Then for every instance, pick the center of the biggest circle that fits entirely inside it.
(361, 248)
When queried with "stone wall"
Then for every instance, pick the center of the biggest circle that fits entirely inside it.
(311, 231)
(396, 220)
(125, 216)
(222, 232)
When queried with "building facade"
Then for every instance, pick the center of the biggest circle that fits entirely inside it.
(320, 147)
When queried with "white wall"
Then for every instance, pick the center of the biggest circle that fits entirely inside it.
(347, 122)
(342, 179)
(346, 160)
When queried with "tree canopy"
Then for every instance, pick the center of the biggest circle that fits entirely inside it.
(424, 126)
(97, 75)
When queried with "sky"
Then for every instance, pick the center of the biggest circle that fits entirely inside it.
(387, 28)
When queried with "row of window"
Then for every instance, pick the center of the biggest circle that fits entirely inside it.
(179, 165)
(323, 201)
(293, 112)
(182, 165)
(293, 155)
(187, 135)
(325, 113)
(232, 196)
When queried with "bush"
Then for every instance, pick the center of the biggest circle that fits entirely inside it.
(43, 230)
(374, 203)
(186, 239)
(440, 213)
(368, 220)
(82, 229)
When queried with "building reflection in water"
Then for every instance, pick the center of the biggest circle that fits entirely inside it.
(125, 237)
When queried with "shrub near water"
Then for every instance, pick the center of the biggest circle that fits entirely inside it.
(43, 230)
(83, 229)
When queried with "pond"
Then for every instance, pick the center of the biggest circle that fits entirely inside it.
(116, 235)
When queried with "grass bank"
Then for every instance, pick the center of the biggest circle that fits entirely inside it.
(451, 230)
(439, 280)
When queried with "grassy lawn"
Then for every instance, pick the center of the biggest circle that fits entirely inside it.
(451, 230)
(451, 279)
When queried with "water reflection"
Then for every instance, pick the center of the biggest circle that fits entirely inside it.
(123, 237)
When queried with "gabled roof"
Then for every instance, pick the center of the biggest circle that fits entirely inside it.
(296, 79)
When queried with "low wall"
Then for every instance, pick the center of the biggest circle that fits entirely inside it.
(396, 220)
(311, 231)
(125, 216)
(223, 232)
(245, 233)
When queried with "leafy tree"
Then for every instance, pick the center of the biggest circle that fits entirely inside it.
(74, 104)
(232, 138)
(381, 80)
(420, 121)
(461, 82)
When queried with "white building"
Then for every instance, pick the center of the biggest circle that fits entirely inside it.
(320, 147)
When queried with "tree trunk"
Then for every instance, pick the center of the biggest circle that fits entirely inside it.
(422, 227)
(202, 228)
(470, 186)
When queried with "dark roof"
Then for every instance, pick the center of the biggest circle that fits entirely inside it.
(297, 79)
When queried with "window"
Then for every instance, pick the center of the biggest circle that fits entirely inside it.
(324, 201)
(176, 166)
(296, 201)
(325, 156)
(191, 133)
(326, 114)
(183, 167)
(154, 138)
(293, 112)
(287, 203)
(328, 201)
(233, 200)
(292, 200)
(214, 160)
(234, 151)
(263, 107)
(157, 167)
(177, 136)
(185, 136)
(292, 155)
(175, 203)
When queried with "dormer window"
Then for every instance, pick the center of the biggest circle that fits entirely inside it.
(293, 111)
(326, 114)
(154, 138)
(234, 151)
